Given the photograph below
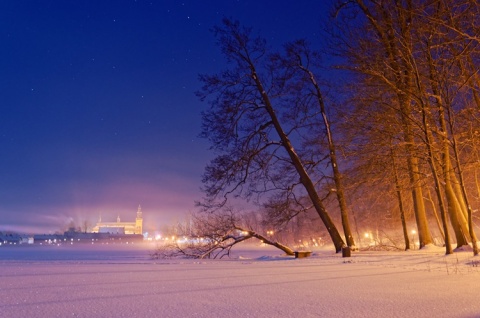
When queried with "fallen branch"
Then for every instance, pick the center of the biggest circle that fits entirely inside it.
(214, 246)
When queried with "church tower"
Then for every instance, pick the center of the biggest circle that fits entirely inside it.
(139, 221)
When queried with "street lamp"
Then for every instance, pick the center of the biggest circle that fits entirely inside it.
(369, 237)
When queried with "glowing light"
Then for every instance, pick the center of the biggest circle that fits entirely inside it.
(414, 232)
(181, 240)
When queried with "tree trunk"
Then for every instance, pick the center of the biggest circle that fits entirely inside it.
(434, 210)
(433, 166)
(477, 184)
(402, 85)
(424, 235)
(471, 231)
(400, 204)
(278, 245)
(454, 202)
(297, 163)
(337, 176)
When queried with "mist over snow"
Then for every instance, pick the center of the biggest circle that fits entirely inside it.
(124, 281)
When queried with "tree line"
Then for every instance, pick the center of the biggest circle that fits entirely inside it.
(387, 133)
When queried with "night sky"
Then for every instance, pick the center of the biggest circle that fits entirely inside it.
(98, 111)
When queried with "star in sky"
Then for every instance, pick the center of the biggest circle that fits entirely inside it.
(98, 106)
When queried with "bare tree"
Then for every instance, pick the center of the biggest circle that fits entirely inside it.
(253, 121)
(398, 190)
(377, 54)
(86, 225)
(302, 60)
(213, 235)
(413, 50)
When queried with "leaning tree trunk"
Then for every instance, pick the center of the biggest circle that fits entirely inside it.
(267, 241)
(471, 231)
(443, 210)
(434, 169)
(337, 176)
(459, 209)
(297, 163)
(454, 202)
(457, 218)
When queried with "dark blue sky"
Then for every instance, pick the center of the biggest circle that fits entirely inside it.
(98, 112)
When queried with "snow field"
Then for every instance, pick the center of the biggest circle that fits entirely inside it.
(255, 282)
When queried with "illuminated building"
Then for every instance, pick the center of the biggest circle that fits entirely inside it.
(121, 227)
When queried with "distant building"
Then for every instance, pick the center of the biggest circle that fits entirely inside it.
(112, 229)
(15, 238)
(121, 227)
(73, 237)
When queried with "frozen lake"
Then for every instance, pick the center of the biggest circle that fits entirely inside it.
(114, 281)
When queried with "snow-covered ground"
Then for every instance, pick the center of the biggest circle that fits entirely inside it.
(109, 281)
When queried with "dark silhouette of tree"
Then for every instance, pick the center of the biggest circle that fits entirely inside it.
(257, 112)
(213, 235)
(302, 60)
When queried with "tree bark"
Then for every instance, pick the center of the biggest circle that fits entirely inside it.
(337, 176)
(297, 163)
(267, 241)
(435, 214)
(400, 203)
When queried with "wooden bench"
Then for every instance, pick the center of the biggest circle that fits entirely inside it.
(302, 254)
